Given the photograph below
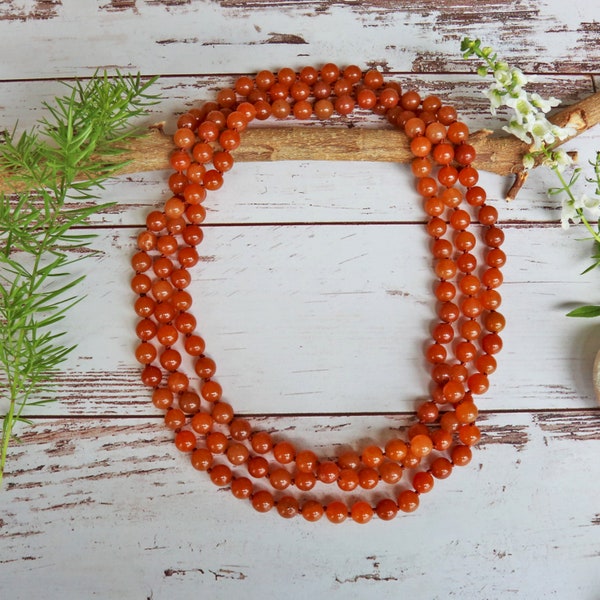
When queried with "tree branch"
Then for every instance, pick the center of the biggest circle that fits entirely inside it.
(500, 154)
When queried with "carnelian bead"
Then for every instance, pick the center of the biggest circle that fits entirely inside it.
(411, 461)
(459, 372)
(440, 373)
(459, 219)
(202, 459)
(466, 412)
(208, 131)
(162, 290)
(445, 268)
(372, 456)
(287, 507)
(443, 333)
(423, 482)
(468, 176)
(469, 285)
(240, 430)
(194, 174)
(144, 306)
(195, 193)
(178, 382)
(205, 367)
(361, 512)
(447, 175)
(469, 434)
(390, 472)
(491, 343)
(366, 98)
(442, 440)
(344, 104)
(417, 429)
(446, 115)
(212, 180)
(141, 284)
(451, 197)
(226, 97)
(421, 167)
(448, 312)
(421, 445)
(261, 442)
(141, 262)
(305, 481)
(257, 466)
(328, 472)
(464, 154)
(177, 182)
(185, 441)
(236, 121)
(486, 364)
(280, 478)
(347, 480)
(170, 359)
(242, 488)
(461, 455)
(436, 353)
(492, 278)
(494, 237)
(202, 423)
(488, 215)
(195, 213)
(494, 321)
(220, 475)
(194, 345)
(495, 258)
(441, 249)
(185, 322)
(151, 376)
(449, 422)
(342, 87)
(408, 501)
(414, 127)
(244, 85)
(466, 262)
(490, 299)
(302, 110)
(470, 330)
(410, 100)
(284, 452)
(281, 109)
(441, 468)
(435, 132)
(453, 391)
(202, 152)
(457, 132)
(323, 109)
(471, 307)
(312, 510)
(386, 509)
(306, 461)
(475, 196)
(330, 72)
(218, 117)
(162, 398)
(465, 352)
(263, 110)
(145, 353)
(349, 460)
(211, 391)
(300, 90)
(443, 154)
(336, 511)
(180, 160)
(175, 419)
(187, 257)
(368, 478)
(420, 146)
(427, 412)
(222, 413)
(229, 139)
(478, 383)
(436, 227)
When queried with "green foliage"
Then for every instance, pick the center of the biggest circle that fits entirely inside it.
(65, 158)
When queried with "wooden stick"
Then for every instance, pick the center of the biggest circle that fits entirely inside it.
(501, 154)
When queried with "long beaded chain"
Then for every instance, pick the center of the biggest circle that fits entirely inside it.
(254, 464)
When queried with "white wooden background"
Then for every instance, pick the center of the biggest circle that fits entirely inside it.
(313, 293)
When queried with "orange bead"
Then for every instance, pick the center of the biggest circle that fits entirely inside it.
(217, 442)
(347, 480)
(262, 501)
(287, 507)
(202, 423)
(257, 466)
(408, 501)
(306, 461)
(390, 472)
(284, 452)
(185, 441)
(361, 512)
(312, 510)
(241, 488)
(328, 472)
(222, 413)
(237, 454)
(305, 481)
(261, 442)
(421, 445)
(396, 450)
(469, 434)
(441, 468)
(336, 511)
(280, 478)
(202, 459)
(211, 391)
(372, 456)
(220, 475)
(461, 455)
(466, 412)
(368, 478)
(386, 509)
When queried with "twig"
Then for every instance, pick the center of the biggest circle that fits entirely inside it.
(500, 154)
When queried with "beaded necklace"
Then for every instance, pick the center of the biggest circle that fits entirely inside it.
(267, 469)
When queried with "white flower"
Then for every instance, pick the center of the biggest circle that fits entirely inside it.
(517, 129)
(528, 161)
(591, 205)
(543, 105)
(569, 213)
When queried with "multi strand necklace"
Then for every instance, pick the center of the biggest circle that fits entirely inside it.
(266, 468)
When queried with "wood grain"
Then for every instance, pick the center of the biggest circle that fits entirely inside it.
(314, 295)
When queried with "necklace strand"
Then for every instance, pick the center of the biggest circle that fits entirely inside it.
(254, 464)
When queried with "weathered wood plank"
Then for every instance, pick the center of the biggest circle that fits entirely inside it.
(100, 493)
(297, 329)
(241, 36)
